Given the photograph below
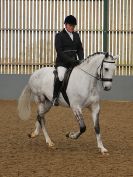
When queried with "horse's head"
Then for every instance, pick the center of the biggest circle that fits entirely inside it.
(106, 71)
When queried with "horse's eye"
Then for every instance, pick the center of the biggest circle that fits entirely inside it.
(106, 69)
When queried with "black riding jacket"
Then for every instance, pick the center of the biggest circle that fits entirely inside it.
(68, 49)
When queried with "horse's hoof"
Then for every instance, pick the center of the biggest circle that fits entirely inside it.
(51, 145)
(32, 135)
(104, 152)
(73, 135)
(70, 135)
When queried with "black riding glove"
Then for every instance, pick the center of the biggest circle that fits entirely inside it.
(75, 63)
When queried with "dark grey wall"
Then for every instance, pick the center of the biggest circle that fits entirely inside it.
(12, 85)
(122, 89)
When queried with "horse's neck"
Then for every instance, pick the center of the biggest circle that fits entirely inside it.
(92, 65)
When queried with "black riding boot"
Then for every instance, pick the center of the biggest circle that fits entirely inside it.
(57, 88)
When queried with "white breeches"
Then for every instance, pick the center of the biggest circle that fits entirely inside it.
(61, 72)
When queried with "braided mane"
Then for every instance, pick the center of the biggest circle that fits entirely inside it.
(92, 55)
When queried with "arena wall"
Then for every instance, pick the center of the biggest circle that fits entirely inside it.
(12, 85)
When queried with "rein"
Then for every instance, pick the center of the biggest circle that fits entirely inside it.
(89, 74)
(101, 78)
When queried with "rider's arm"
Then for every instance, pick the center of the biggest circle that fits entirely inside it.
(80, 50)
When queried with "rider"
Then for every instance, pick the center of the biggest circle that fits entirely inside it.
(69, 52)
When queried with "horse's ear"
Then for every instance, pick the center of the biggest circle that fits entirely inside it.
(116, 57)
(106, 55)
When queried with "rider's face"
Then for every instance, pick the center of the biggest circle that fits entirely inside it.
(69, 27)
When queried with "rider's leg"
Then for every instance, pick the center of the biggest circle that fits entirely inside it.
(57, 87)
(61, 72)
(58, 82)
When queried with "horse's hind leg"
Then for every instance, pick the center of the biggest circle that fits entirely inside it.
(78, 114)
(95, 108)
(40, 116)
(37, 130)
(43, 108)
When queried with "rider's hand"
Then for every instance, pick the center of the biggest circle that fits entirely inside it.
(75, 63)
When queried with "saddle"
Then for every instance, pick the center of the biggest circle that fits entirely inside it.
(64, 83)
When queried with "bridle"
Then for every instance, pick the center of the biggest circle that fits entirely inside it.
(100, 76)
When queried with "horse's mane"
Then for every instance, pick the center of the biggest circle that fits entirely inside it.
(88, 58)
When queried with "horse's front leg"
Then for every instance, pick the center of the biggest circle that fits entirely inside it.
(95, 116)
(79, 117)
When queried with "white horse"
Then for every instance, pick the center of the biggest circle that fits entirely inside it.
(82, 91)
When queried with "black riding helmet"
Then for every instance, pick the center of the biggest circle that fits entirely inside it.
(70, 20)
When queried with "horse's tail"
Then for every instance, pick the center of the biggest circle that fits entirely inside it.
(24, 108)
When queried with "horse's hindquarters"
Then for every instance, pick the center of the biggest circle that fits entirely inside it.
(41, 82)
